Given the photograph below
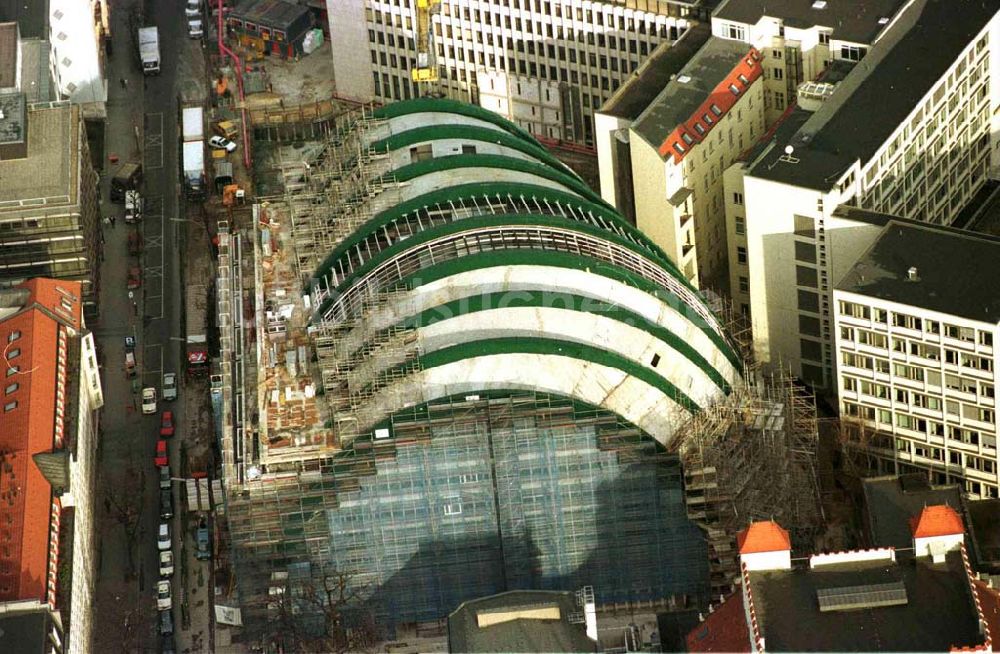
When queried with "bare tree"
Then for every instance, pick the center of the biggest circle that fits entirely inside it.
(123, 502)
(321, 614)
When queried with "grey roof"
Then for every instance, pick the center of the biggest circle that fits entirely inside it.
(642, 87)
(678, 100)
(275, 13)
(521, 635)
(890, 502)
(881, 91)
(984, 533)
(51, 169)
(957, 271)
(850, 20)
(939, 612)
(32, 16)
(25, 632)
(36, 79)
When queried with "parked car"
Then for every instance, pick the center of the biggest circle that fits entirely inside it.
(130, 364)
(133, 207)
(167, 424)
(166, 563)
(204, 551)
(149, 400)
(166, 503)
(164, 477)
(192, 8)
(134, 244)
(164, 602)
(166, 641)
(162, 459)
(163, 540)
(166, 623)
(169, 386)
(221, 143)
(134, 279)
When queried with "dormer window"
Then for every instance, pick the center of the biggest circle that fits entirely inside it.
(679, 149)
(698, 128)
(716, 110)
(687, 138)
(735, 90)
(741, 77)
(708, 119)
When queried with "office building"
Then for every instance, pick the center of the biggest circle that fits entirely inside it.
(545, 65)
(908, 131)
(49, 213)
(923, 598)
(662, 158)
(915, 322)
(48, 444)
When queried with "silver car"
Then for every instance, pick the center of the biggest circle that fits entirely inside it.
(169, 386)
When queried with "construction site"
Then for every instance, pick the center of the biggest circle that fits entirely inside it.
(383, 413)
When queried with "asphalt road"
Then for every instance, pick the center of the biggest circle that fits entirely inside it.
(144, 109)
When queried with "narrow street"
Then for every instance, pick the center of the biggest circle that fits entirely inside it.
(143, 126)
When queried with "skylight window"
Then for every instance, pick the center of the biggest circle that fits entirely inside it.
(819, 4)
(884, 20)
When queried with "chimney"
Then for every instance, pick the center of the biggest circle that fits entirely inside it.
(911, 274)
(765, 546)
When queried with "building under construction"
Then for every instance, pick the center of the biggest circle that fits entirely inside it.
(449, 369)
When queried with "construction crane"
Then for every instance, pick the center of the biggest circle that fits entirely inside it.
(426, 70)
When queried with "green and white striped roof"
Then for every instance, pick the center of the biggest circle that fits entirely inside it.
(510, 273)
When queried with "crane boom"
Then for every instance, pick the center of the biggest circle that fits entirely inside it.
(426, 70)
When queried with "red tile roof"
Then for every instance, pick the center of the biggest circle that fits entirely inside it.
(725, 630)
(763, 537)
(29, 368)
(937, 520)
(989, 601)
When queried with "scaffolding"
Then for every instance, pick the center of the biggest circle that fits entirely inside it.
(751, 457)
(331, 191)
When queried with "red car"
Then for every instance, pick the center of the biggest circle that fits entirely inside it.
(161, 454)
(167, 424)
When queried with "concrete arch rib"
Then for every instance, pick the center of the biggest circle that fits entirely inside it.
(601, 331)
(635, 400)
(451, 107)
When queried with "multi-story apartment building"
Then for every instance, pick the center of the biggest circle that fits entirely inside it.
(678, 146)
(48, 444)
(547, 65)
(798, 39)
(49, 214)
(904, 132)
(916, 323)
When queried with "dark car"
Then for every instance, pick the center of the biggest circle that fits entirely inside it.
(166, 623)
(166, 504)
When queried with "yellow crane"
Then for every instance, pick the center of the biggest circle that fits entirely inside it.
(426, 70)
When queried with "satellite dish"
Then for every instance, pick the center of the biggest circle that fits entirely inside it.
(789, 150)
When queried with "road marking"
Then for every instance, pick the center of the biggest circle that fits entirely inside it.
(153, 150)
(154, 258)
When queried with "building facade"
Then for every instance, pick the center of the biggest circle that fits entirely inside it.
(477, 380)
(678, 147)
(547, 66)
(923, 155)
(49, 436)
(49, 212)
(916, 364)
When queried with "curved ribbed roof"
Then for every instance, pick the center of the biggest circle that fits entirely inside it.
(481, 262)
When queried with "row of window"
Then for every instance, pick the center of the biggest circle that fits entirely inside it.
(886, 419)
(915, 323)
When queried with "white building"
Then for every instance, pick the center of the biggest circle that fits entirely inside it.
(916, 321)
(77, 29)
(904, 133)
(800, 38)
(546, 65)
(662, 158)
